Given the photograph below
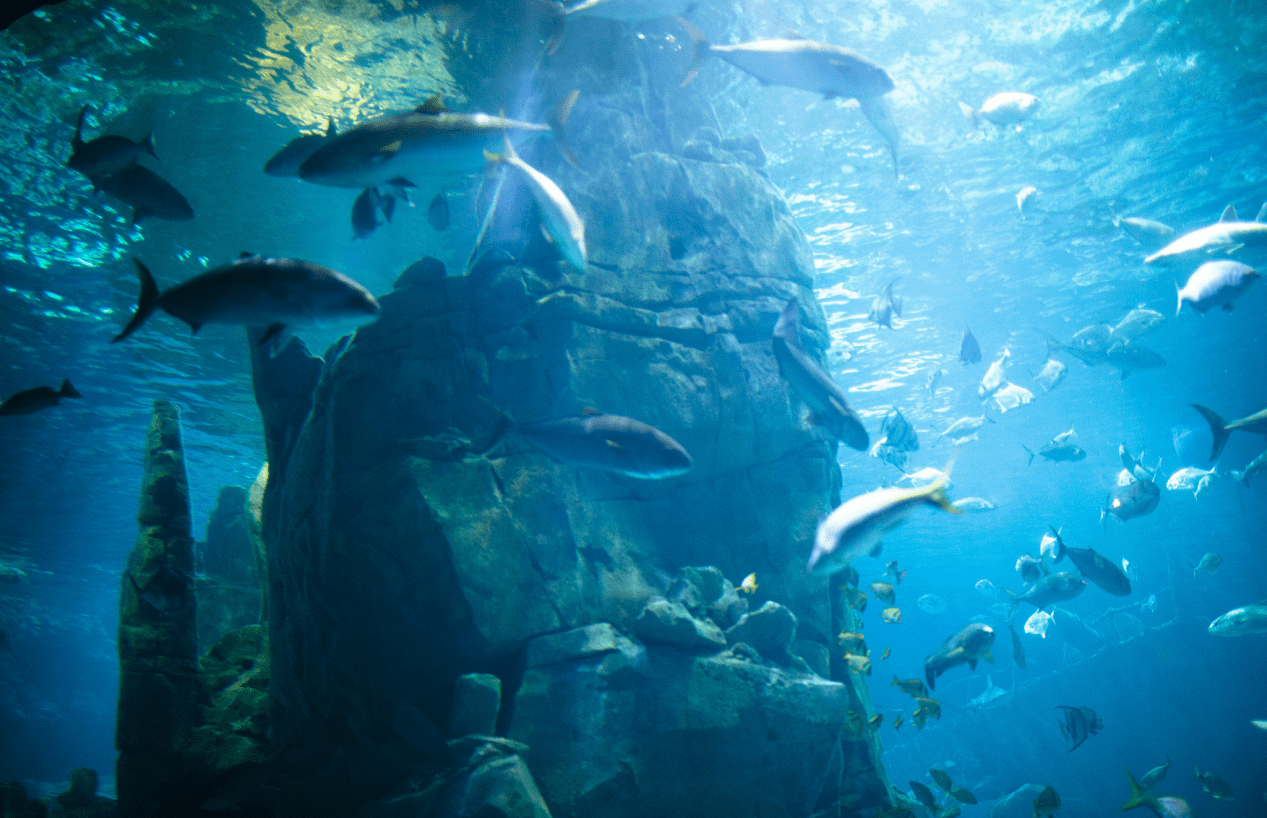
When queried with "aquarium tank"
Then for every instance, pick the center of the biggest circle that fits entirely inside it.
(621, 408)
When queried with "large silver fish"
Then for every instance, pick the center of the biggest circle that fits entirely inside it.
(1094, 567)
(1228, 235)
(559, 219)
(273, 292)
(1049, 590)
(1003, 109)
(970, 645)
(813, 385)
(1216, 284)
(429, 142)
(286, 161)
(1242, 621)
(611, 443)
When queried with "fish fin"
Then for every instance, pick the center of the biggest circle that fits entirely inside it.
(77, 142)
(1139, 798)
(1179, 296)
(1229, 214)
(330, 131)
(558, 121)
(987, 657)
(972, 664)
(876, 549)
(193, 328)
(1060, 544)
(148, 144)
(970, 114)
(1217, 428)
(611, 444)
(546, 233)
(503, 423)
(1262, 213)
(700, 49)
(146, 303)
(1232, 248)
(68, 390)
(1031, 454)
(433, 105)
(271, 332)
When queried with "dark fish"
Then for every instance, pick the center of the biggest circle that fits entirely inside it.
(147, 193)
(930, 706)
(1046, 804)
(897, 432)
(41, 397)
(924, 795)
(1018, 650)
(1050, 589)
(286, 161)
(1094, 567)
(911, 687)
(814, 386)
(885, 306)
(883, 591)
(611, 443)
(969, 349)
(106, 154)
(970, 645)
(1079, 724)
(1156, 775)
(1088, 345)
(365, 213)
(273, 292)
(1256, 423)
(963, 795)
(1127, 358)
(167, 590)
(1060, 452)
(1136, 500)
(941, 778)
(438, 212)
(1213, 783)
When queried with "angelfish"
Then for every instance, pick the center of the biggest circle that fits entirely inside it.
(1079, 724)
(885, 306)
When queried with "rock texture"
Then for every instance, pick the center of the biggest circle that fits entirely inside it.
(158, 655)
(229, 569)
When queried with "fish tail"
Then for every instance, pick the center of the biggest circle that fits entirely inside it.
(1060, 545)
(1217, 428)
(504, 423)
(68, 390)
(1031, 454)
(558, 122)
(1179, 296)
(148, 144)
(970, 114)
(700, 44)
(146, 303)
(1139, 798)
(1117, 222)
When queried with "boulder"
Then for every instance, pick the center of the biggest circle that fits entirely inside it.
(770, 629)
(671, 623)
(476, 702)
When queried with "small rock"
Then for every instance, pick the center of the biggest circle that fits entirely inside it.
(749, 145)
(700, 151)
(671, 622)
(477, 699)
(769, 629)
(708, 135)
(696, 588)
(577, 643)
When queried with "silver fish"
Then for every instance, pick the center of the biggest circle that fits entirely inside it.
(1127, 358)
(1241, 621)
(1051, 375)
(974, 504)
(885, 306)
(1137, 323)
(286, 161)
(611, 443)
(560, 220)
(1144, 231)
(1228, 235)
(994, 377)
(1156, 775)
(1216, 284)
(1255, 467)
(964, 425)
(1049, 590)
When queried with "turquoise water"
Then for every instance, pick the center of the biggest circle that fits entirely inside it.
(1153, 109)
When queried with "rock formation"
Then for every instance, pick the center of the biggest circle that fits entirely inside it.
(229, 569)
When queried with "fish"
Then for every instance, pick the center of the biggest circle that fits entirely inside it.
(887, 653)
(1216, 284)
(858, 664)
(930, 706)
(931, 603)
(796, 62)
(941, 778)
(1047, 545)
(968, 646)
(896, 431)
(1256, 466)
(969, 349)
(856, 598)
(1132, 573)
(1095, 567)
(286, 161)
(431, 142)
(1089, 344)
(1137, 500)
(1137, 323)
(934, 376)
(877, 112)
(926, 477)
(924, 795)
(1079, 724)
(885, 306)
(813, 385)
(988, 695)
(166, 590)
(1213, 783)
(1046, 804)
(1167, 806)
(106, 154)
(610, 443)
(1031, 569)
(1127, 358)
(883, 591)
(1051, 375)
(986, 588)
(894, 570)
(1053, 588)
(749, 585)
(277, 292)
(953, 811)
(1191, 479)
(994, 377)
(1009, 397)
(963, 795)
(974, 504)
(1144, 231)
(919, 718)
(1065, 437)
(1156, 775)
(964, 425)
(37, 398)
(1261, 724)
(1228, 235)
(1241, 621)
(147, 193)
(365, 210)
(1018, 650)
(895, 457)
(912, 687)
(1003, 109)
(631, 11)
(1222, 430)
(438, 211)
(561, 223)
(1058, 451)
(897, 722)
(1025, 194)
(853, 642)
(1136, 468)
(875, 721)
(892, 616)
(856, 526)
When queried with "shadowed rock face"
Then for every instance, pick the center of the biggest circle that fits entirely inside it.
(399, 558)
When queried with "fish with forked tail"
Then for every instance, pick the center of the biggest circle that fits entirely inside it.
(37, 398)
(1222, 430)
(885, 306)
(1094, 567)
(106, 154)
(1166, 806)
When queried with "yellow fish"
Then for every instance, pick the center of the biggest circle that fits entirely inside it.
(932, 706)
(886, 653)
(891, 615)
(883, 591)
(875, 722)
(749, 585)
(911, 687)
(919, 719)
(897, 723)
(853, 642)
(858, 664)
(856, 598)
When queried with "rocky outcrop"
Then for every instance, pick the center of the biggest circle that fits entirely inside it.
(229, 563)
(158, 653)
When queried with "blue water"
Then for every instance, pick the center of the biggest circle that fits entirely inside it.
(1153, 108)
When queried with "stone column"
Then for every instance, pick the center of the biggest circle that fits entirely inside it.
(158, 656)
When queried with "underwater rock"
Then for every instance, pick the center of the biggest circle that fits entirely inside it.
(477, 698)
(230, 562)
(80, 801)
(671, 623)
(1017, 804)
(577, 643)
(770, 629)
(158, 652)
(705, 592)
